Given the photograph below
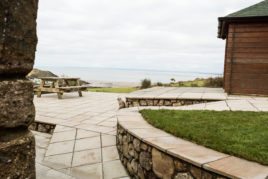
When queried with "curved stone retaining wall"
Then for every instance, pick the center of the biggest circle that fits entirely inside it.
(145, 161)
(148, 152)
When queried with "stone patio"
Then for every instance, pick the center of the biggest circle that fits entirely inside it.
(83, 142)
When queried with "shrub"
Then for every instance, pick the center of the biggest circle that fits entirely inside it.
(159, 84)
(172, 80)
(145, 83)
(214, 82)
(194, 85)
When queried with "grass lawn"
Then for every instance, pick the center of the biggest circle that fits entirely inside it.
(243, 134)
(114, 90)
(191, 83)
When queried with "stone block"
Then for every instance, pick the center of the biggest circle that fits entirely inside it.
(145, 160)
(18, 36)
(163, 165)
(17, 108)
(17, 154)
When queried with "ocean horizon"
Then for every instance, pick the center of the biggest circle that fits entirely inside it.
(117, 75)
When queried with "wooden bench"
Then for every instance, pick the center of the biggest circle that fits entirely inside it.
(59, 86)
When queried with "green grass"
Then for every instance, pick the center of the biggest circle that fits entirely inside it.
(113, 90)
(193, 83)
(242, 134)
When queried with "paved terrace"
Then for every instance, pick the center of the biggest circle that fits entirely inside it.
(180, 93)
(83, 143)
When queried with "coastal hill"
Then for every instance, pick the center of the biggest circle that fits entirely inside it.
(36, 73)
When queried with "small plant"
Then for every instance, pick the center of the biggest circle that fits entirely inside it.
(172, 80)
(146, 83)
(214, 82)
(159, 84)
(194, 85)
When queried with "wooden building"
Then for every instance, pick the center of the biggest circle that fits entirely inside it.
(246, 55)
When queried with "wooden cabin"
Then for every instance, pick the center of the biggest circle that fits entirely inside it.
(246, 54)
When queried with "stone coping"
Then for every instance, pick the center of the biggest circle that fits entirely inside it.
(186, 93)
(132, 121)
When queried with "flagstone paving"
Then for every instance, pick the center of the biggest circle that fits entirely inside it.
(83, 142)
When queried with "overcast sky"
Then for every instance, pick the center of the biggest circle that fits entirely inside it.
(140, 34)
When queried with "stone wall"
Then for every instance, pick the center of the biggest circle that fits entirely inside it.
(143, 161)
(17, 52)
(133, 102)
(42, 127)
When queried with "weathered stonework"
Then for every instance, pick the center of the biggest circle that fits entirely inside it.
(17, 108)
(163, 164)
(152, 163)
(134, 102)
(17, 52)
(42, 127)
(18, 36)
(17, 154)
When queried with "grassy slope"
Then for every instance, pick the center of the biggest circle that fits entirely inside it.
(113, 90)
(196, 83)
(243, 134)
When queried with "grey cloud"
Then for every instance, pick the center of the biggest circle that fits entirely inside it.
(154, 34)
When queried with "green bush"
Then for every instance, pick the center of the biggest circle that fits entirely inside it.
(159, 84)
(146, 83)
(194, 85)
(214, 82)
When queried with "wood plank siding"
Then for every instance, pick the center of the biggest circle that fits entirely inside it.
(246, 59)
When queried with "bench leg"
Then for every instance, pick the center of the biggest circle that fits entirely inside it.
(80, 93)
(59, 95)
(39, 93)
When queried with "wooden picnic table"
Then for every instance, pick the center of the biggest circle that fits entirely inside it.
(59, 85)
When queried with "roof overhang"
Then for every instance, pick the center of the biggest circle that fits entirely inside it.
(225, 21)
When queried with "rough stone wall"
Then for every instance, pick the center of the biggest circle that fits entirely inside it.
(130, 102)
(18, 42)
(42, 127)
(143, 161)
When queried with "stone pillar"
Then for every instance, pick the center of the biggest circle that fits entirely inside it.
(17, 52)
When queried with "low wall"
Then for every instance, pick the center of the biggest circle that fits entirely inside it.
(133, 102)
(145, 161)
(42, 127)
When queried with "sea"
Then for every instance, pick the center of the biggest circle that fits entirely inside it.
(124, 77)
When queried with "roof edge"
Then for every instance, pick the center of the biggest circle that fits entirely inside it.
(225, 21)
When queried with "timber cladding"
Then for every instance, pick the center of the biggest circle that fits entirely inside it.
(246, 59)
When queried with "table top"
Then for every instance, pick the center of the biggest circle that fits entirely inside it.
(58, 78)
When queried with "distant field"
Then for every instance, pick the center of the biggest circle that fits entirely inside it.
(113, 90)
(199, 82)
(240, 133)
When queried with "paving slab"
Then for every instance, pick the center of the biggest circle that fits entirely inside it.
(87, 143)
(85, 134)
(108, 140)
(110, 153)
(59, 161)
(93, 171)
(114, 169)
(63, 136)
(60, 148)
(86, 157)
